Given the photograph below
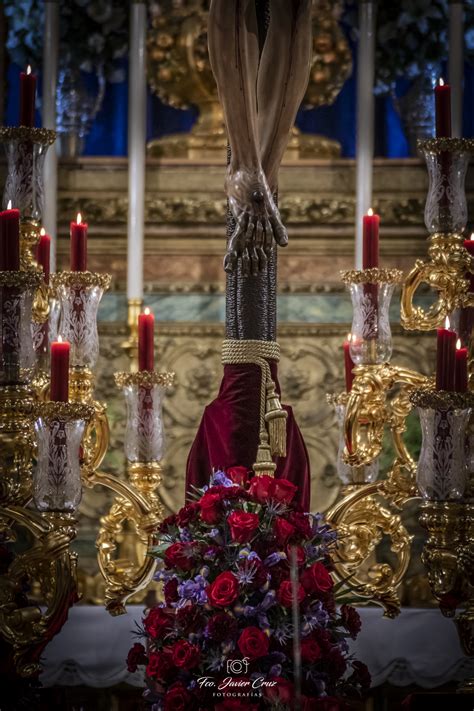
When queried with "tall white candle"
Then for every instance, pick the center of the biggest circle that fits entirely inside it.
(456, 64)
(50, 73)
(136, 149)
(365, 119)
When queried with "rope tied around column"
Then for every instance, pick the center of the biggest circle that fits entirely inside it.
(272, 426)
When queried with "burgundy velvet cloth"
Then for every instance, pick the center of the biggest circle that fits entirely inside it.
(228, 433)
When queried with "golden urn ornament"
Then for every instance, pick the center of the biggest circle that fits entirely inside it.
(179, 72)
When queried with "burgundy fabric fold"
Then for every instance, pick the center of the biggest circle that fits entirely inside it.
(228, 433)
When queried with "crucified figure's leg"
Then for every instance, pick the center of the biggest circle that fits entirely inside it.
(282, 79)
(234, 55)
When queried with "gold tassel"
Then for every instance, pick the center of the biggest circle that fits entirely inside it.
(275, 417)
(264, 464)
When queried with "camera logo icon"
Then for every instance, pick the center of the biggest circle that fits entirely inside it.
(238, 666)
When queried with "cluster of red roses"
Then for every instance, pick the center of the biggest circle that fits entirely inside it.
(233, 564)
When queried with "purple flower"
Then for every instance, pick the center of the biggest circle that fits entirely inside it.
(275, 670)
(283, 633)
(316, 616)
(193, 590)
(220, 479)
(274, 558)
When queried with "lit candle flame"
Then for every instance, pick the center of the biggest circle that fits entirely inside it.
(349, 337)
(28, 69)
(9, 206)
(472, 236)
(60, 339)
(441, 81)
(42, 232)
(447, 323)
(458, 344)
(147, 311)
(78, 218)
(370, 212)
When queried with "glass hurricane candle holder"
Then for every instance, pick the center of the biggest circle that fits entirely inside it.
(43, 334)
(17, 356)
(447, 160)
(79, 295)
(350, 475)
(59, 430)
(144, 435)
(25, 149)
(443, 464)
(371, 293)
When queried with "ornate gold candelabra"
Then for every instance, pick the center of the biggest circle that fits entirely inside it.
(48, 450)
(382, 397)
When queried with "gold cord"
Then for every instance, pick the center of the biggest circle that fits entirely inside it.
(272, 432)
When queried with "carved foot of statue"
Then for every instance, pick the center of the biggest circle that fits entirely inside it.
(258, 222)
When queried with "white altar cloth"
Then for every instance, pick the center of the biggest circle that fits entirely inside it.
(419, 647)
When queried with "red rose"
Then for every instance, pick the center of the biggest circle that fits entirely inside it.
(282, 531)
(283, 693)
(157, 623)
(185, 655)
(300, 555)
(180, 555)
(189, 619)
(351, 620)
(283, 490)
(335, 662)
(136, 657)
(316, 579)
(285, 593)
(239, 475)
(221, 627)
(302, 524)
(223, 591)
(187, 513)
(160, 667)
(177, 698)
(242, 525)
(310, 650)
(360, 675)
(261, 488)
(253, 643)
(235, 705)
(170, 590)
(211, 508)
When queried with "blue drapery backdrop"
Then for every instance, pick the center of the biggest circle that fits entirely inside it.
(108, 135)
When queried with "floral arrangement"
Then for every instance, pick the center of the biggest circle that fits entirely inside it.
(232, 562)
(93, 34)
(410, 34)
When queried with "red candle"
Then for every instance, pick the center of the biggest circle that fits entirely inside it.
(27, 98)
(79, 245)
(443, 110)
(60, 370)
(460, 378)
(146, 345)
(445, 357)
(348, 363)
(43, 252)
(370, 240)
(9, 240)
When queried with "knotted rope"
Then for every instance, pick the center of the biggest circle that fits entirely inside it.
(272, 424)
